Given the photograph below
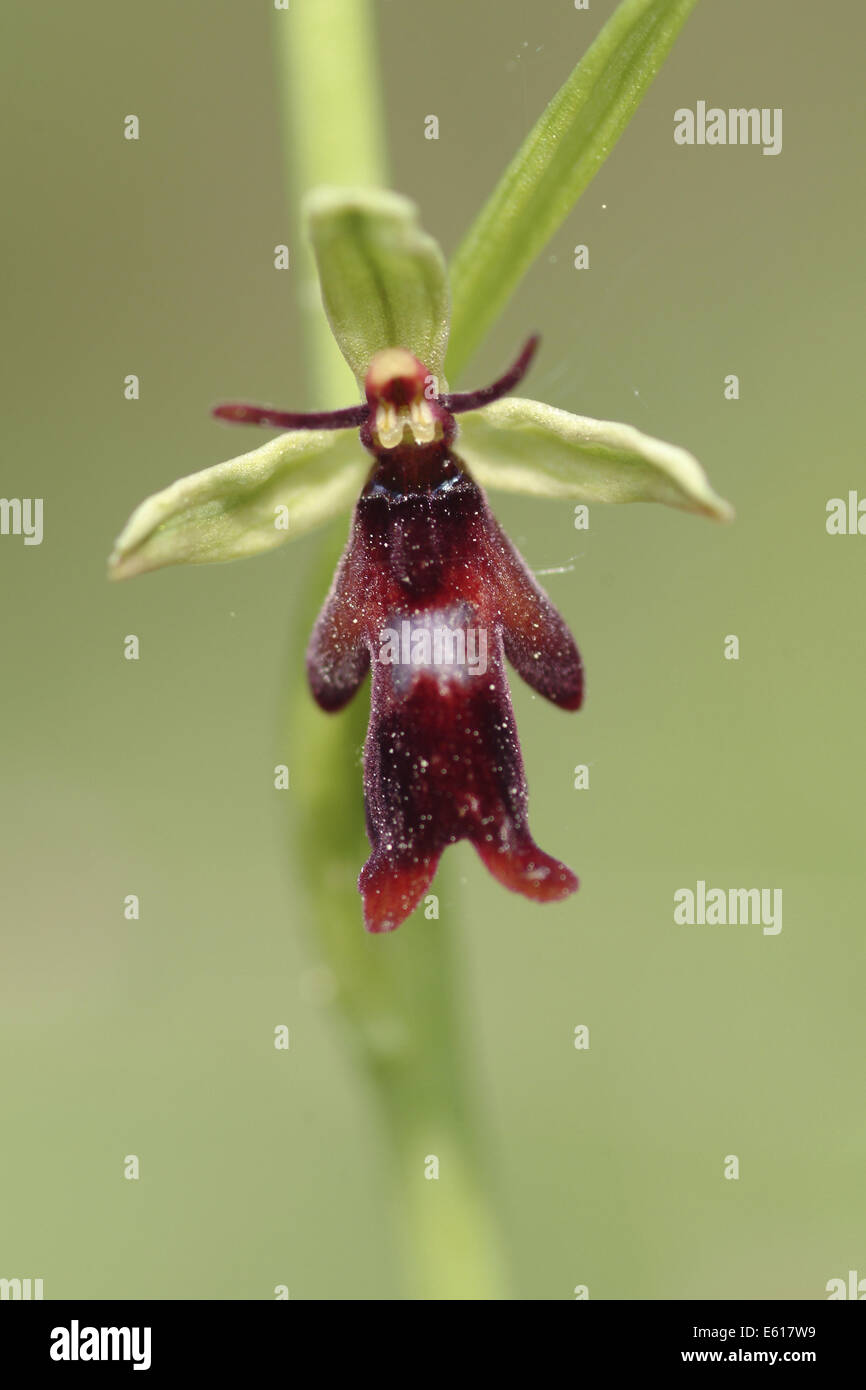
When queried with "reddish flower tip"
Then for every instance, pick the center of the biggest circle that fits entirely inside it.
(526, 869)
(391, 889)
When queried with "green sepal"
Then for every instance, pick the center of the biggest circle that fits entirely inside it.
(246, 505)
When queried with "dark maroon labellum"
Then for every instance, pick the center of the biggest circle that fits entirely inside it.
(432, 596)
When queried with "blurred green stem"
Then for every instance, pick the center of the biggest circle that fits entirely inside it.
(333, 133)
(395, 994)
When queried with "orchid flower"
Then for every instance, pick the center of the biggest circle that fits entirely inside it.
(430, 595)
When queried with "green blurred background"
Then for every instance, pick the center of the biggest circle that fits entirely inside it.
(155, 1037)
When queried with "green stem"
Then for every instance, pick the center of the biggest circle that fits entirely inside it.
(333, 134)
(394, 994)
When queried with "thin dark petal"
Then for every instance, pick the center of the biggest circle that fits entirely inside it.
(348, 418)
(473, 400)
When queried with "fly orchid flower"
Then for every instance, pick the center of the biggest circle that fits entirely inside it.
(429, 594)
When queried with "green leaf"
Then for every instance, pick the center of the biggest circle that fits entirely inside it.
(231, 510)
(383, 279)
(559, 157)
(524, 446)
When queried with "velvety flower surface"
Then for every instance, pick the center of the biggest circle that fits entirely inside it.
(430, 595)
